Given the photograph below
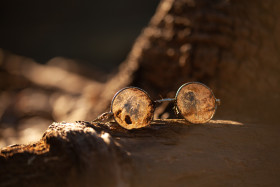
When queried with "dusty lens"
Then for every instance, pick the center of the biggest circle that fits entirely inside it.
(132, 108)
(196, 102)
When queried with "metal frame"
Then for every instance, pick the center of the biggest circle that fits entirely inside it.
(217, 101)
(138, 89)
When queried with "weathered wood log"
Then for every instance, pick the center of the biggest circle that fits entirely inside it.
(167, 153)
(69, 154)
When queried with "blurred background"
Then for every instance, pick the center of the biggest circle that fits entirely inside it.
(45, 43)
(95, 32)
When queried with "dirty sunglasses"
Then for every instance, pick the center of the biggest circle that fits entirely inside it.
(133, 108)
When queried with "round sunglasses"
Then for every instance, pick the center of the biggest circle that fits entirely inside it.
(132, 107)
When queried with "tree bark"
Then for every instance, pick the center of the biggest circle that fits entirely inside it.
(230, 45)
(69, 154)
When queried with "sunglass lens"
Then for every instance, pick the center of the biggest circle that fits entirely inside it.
(196, 102)
(132, 108)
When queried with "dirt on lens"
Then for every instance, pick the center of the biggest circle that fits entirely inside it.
(132, 108)
(196, 103)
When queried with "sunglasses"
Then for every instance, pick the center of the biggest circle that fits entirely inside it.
(132, 107)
